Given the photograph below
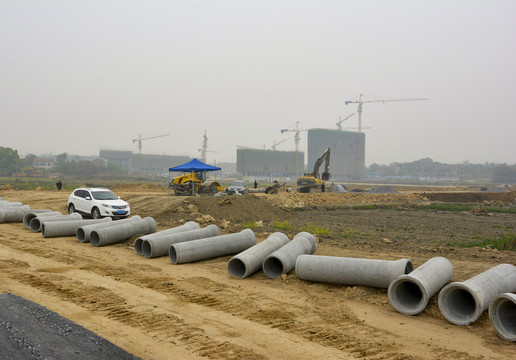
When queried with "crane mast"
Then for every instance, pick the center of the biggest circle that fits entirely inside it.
(360, 103)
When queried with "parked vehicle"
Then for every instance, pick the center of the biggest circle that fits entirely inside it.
(239, 186)
(98, 203)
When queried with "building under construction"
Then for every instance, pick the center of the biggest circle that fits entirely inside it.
(269, 163)
(127, 160)
(347, 159)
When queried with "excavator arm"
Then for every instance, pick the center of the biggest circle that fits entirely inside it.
(326, 158)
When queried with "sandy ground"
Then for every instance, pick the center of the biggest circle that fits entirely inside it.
(157, 310)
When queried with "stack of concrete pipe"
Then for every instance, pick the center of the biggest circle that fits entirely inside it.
(12, 214)
(195, 250)
(69, 227)
(160, 245)
(84, 231)
(251, 260)
(37, 222)
(33, 214)
(119, 232)
(284, 259)
(190, 225)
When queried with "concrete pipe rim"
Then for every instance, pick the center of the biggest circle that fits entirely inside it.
(502, 312)
(35, 225)
(237, 267)
(138, 246)
(81, 236)
(459, 305)
(407, 295)
(273, 267)
(94, 238)
(147, 248)
(172, 254)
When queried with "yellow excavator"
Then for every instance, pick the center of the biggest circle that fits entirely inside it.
(182, 185)
(312, 180)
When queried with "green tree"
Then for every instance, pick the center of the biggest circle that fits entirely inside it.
(9, 160)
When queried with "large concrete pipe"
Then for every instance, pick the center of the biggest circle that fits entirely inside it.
(502, 313)
(190, 225)
(409, 294)
(31, 215)
(462, 303)
(37, 222)
(158, 246)
(67, 228)
(351, 271)
(195, 250)
(14, 213)
(5, 203)
(121, 232)
(250, 261)
(83, 232)
(283, 260)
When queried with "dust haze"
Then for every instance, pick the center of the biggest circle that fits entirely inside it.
(82, 76)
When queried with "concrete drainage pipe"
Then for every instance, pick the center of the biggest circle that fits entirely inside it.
(67, 228)
(14, 214)
(31, 215)
(502, 313)
(37, 222)
(122, 232)
(409, 294)
(190, 225)
(462, 303)
(158, 246)
(6, 203)
(83, 232)
(351, 271)
(283, 260)
(201, 249)
(250, 261)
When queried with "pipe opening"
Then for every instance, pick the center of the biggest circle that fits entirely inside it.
(273, 267)
(460, 303)
(35, 225)
(408, 294)
(43, 230)
(146, 248)
(138, 243)
(94, 238)
(80, 235)
(172, 254)
(236, 267)
(507, 317)
(409, 267)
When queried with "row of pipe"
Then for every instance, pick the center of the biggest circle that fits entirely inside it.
(409, 290)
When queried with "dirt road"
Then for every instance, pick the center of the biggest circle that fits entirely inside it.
(157, 310)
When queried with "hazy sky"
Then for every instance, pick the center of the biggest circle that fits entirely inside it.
(78, 76)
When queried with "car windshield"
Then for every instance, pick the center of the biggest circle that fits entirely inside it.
(237, 183)
(103, 195)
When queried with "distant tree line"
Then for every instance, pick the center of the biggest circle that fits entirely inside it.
(427, 168)
(11, 163)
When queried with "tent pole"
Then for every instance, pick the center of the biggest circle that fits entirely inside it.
(193, 184)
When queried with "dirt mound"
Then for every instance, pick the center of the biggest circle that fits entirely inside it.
(139, 188)
(466, 197)
(296, 200)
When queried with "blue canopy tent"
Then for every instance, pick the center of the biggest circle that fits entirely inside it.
(194, 166)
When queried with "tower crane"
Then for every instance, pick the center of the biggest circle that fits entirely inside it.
(277, 143)
(339, 124)
(296, 130)
(204, 149)
(140, 139)
(360, 102)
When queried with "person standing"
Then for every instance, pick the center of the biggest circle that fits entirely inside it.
(255, 184)
(322, 187)
(59, 185)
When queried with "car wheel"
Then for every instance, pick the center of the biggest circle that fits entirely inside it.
(95, 213)
(71, 209)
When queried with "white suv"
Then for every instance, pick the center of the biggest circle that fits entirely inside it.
(98, 203)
